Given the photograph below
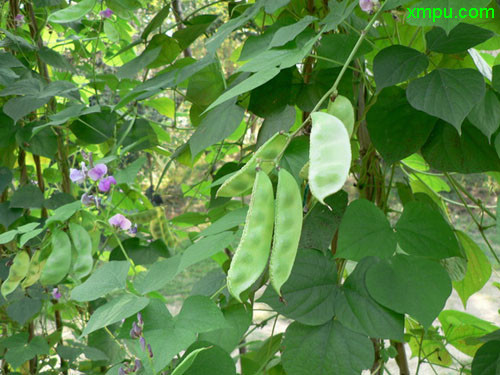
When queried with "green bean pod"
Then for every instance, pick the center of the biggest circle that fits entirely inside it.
(83, 245)
(251, 256)
(342, 108)
(17, 272)
(145, 217)
(160, 228)
(287, 229)
(329, 155)
(34, 270)
(59, 261)
(242, 181)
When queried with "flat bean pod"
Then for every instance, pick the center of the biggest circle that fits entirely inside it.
(160, 228)
(83, 246)
(329, 155)
(145, 217)
(17, 272)
(34, 270)
(59, 261)
(242, 181)
(342, 108)
(287, 229)
(251, 256)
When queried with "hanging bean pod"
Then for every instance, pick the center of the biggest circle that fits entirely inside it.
(34, 270)
(83, 246)
(287, 229)
(59, 261)
(251, 256)
(17, 272)
(242, 181)
(342, 108)
(329, 155)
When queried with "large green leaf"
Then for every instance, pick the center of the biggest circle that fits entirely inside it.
(337, 47)
(338, 13)
(397, 64)
(95, 127)
(403, 282)
(321, 223)
(5, 178)
(486, 114)
(461, 38)
(195, 27)
(218, 124)
(134, 66)
(449, 94)
(288, 33)
(310, 292)
(213, 360)
(365, 231)
(422, 231)
(206, 85)
(113, 311)
(357, 310)
(238, 319)
(469, 152)
(200, 314)
(478, 269)
(27, 196)
(111, 276)
(487, 359)
(496, 78)
(330, 349)
(463, 330)
(19, 107)
(156, 22)
(276, 122)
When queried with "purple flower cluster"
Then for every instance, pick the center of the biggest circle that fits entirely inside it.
(106, 13)
(97, 173)
(56, 294)
(137, 333)
(368, 5)
(120, 221)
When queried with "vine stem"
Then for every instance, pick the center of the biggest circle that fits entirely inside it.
(333, 90)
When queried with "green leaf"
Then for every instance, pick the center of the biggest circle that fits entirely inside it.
(63, 213)
(364, 231)
(130, 173)
(205, 248)
(296, 156)
(111, 32)
(158, 275)
(5, 178)
(134, 66)
(73, 12)
(288, 33)
(43, 143)
(403, 282)
(309, 294)
(422, 231)
(113, 311)
(195, 27)
(356, 309)
(109, 277)
(28, 236)
(95, 128)
(27, 196)
(228, 221)
(337, 14)
(486, 114)
(460, 39)
(321, 223)
(276, 122)
(469, 152)
(181, 368)
(255, 80)
(6, 237)
(18, 355)
(396, 129)
(443, 13)
(200, 314)
(328, 349)
(218, 124)
(19, 107)
(156, 22)
(24, 309)
(273, 5)
(449, 94)
(53, 58)
(397, 64)
(496, 78)
(238, 319)
(9, 215)
(478, 269)
(338, 47)
(487, 359)
(206, 85)
(169, 50)
(463, 330)
(213, 360)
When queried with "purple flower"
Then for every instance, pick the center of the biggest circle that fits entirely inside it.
(106, 13)
(137, 365)
(98, 171)
(122, 371)
(142, 341)
(56, 294)
(76, 175)
(120, 221)
(135, 332)
(150, 351)
(368, 5)
(87, 199)
(19, 20)
(133, 230)
(105, 183)
(139, 319)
